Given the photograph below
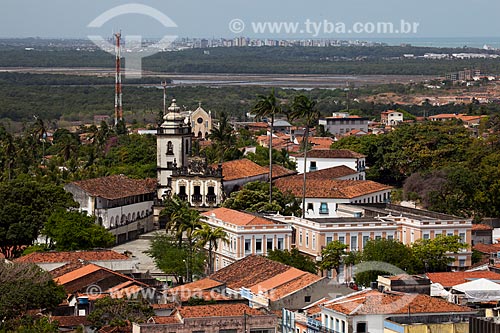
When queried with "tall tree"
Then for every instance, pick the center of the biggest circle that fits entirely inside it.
(186, 221)
(434, 255)
(70, 231)
(254, 198)
(223, 138)
(25, 206)
(119, 312)
(173, 258)
(304, 110)
(268, 106)
(25, 287)
(332, 256)
(293, 258)
(212, 237)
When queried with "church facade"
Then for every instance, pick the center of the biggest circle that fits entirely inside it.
(179, 173)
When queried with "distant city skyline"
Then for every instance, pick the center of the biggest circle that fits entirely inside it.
(197, 18)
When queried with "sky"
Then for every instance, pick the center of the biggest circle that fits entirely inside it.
(212, 18)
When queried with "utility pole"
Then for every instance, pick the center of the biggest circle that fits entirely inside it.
(118, 80)
(164, 85)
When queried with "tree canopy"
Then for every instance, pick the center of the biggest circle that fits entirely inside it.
(254, 197)
(25, 206)
(293, 258)
(70, 231)
(25, 287)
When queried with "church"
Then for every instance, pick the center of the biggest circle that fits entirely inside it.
(179, 173)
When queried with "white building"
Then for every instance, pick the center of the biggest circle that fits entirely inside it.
(248, 234)
(391, 117)
(201, 122)
(178, 172)
(324, 195)
(366, 311)
(319, 159)
(120, 204)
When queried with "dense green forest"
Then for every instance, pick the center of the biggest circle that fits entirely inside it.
(387, 60)
(55, 97)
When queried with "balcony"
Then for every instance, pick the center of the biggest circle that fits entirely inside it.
(211, 198)
(197, 198)
(182, 196)
(324, 211)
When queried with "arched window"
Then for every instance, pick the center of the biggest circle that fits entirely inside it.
(170, 148)
(112, 222)
(133, 217)
(129, 217)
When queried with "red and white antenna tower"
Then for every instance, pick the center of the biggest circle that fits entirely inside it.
(118, 81)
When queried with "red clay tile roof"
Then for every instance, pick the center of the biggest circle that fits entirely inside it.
(67, 268)
(162, 320)
(450, 279)
(487, 248)
(116, 187)
(218, 310)
(261, 275)
(328, 173)
(206, 295)
(249, 271)
(315, 307)
(318, 142)
(293, 286)
(203, 284)
(239, 169)
(479, 226)
(71, 321)
(327, 188)
(369, 302)
(238, 218)
(280, 171)
(164, 306)
(71, 256)
(332, 153)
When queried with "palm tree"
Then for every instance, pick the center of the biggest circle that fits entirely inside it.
(304, 109)
(268, 106)
(222, 136)
(210, 236)
(187, 221)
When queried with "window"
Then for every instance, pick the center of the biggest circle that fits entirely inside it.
(307, 239)
(361, 328)
(323, 209)
(269, 245)
(228, 331)
(258, 245)
(390, 237)
(248, 246)
(378, 237)
(312, 166)
(170, 148)
(310, 206)
(280, 243)
(365, 240)
(329, 239)
(354, 243)
(300, 237)
(342, 239)
(187, 146)
(461, 262)
(462, 237)
(307, 299)
(426, 236)
(314, 241)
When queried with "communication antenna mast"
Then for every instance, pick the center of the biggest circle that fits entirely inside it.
(118, 80)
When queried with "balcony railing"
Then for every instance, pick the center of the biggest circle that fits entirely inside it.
(211, 198)
(183, 197)
(197, 198)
